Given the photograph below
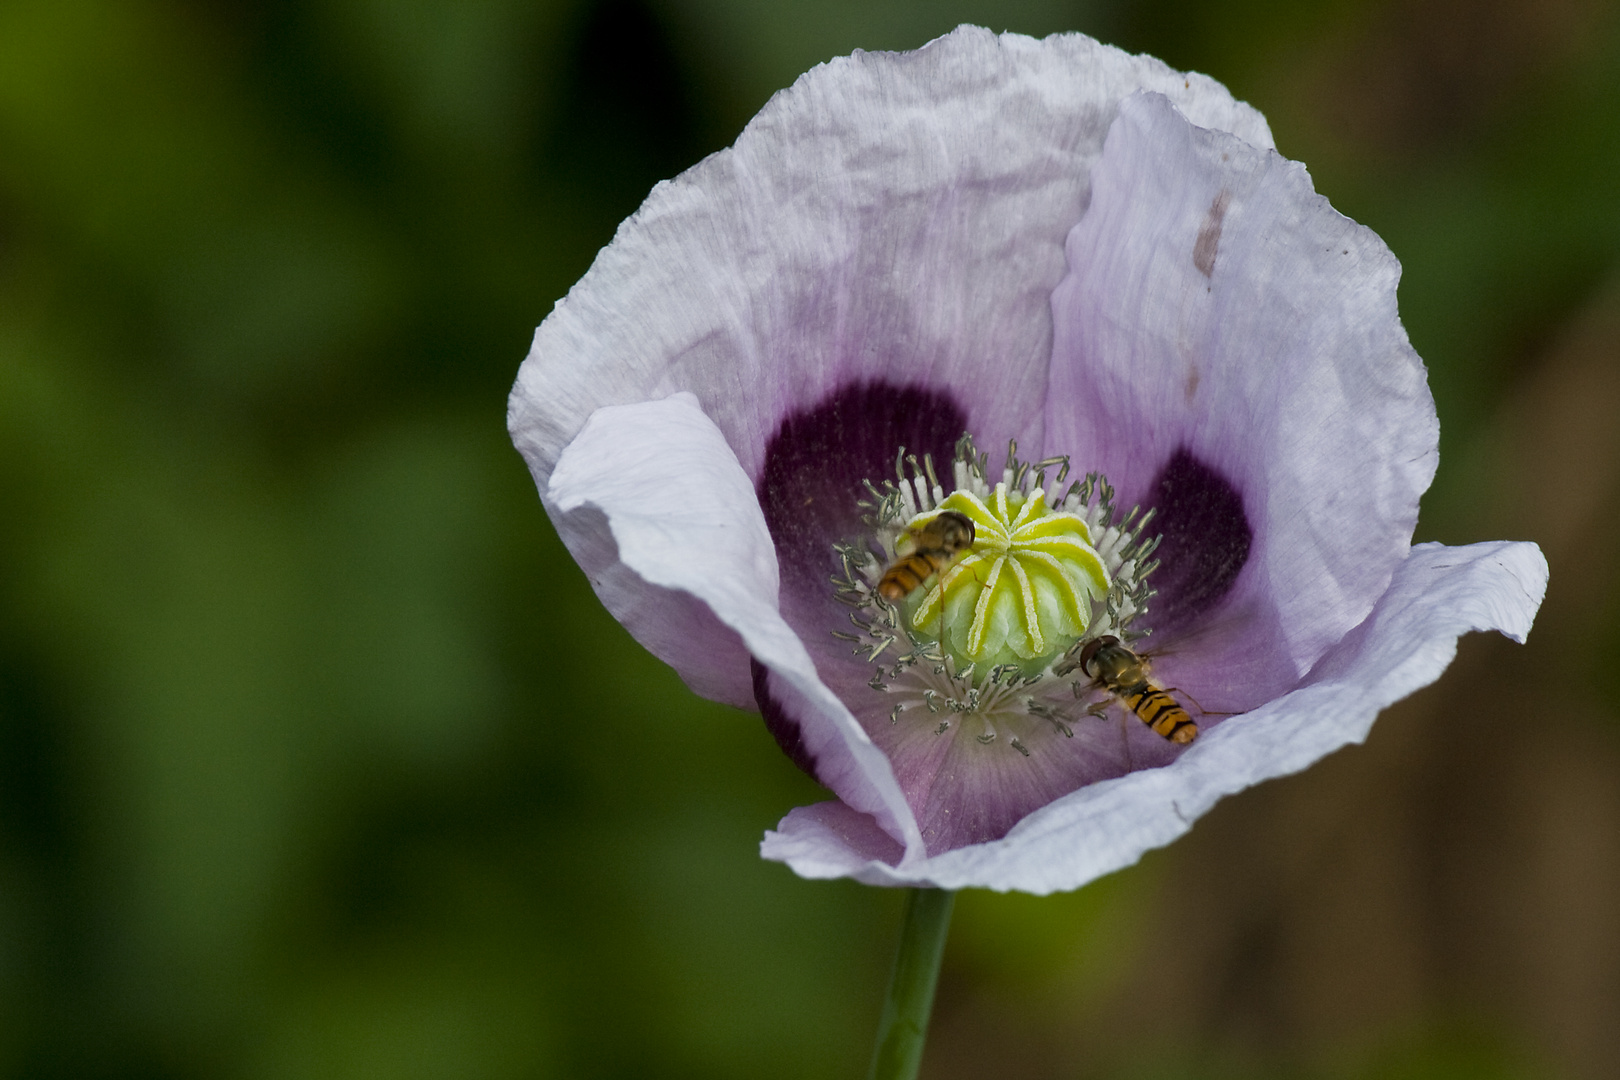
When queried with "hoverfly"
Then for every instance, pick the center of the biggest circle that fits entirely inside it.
(1122, 672)
(934, 543)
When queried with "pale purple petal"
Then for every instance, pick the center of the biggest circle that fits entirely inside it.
(684, 518)
(1436, 595)
(1155, 382)
(892, 217)
(1221, 322)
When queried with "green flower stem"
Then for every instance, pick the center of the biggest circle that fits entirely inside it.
(904, 1026)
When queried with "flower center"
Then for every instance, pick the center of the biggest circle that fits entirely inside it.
(988, 594)
(1022, 593)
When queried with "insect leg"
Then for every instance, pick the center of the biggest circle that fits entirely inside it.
(1203, 711)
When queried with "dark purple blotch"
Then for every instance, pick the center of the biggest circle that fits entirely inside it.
(816, 463)
(1206, 540)
(783, 728)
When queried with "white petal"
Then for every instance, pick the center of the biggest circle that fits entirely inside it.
(1216, 303)
(1436, 595)
(685, 520)
(894, 216)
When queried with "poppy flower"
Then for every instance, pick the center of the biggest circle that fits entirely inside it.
(1026, 440)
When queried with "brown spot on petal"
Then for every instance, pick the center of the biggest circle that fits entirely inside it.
(1193, 376)
(1209, 237)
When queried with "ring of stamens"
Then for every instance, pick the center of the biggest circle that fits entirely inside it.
(1053, 556)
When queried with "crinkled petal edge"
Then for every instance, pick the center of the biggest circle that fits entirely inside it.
(1437, 594)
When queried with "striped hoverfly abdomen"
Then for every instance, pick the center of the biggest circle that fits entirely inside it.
(1117, 669)
(935, 543)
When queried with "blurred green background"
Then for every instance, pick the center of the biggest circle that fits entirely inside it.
(319, 759)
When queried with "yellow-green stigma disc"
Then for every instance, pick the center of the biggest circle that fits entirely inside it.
(1022, 594)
